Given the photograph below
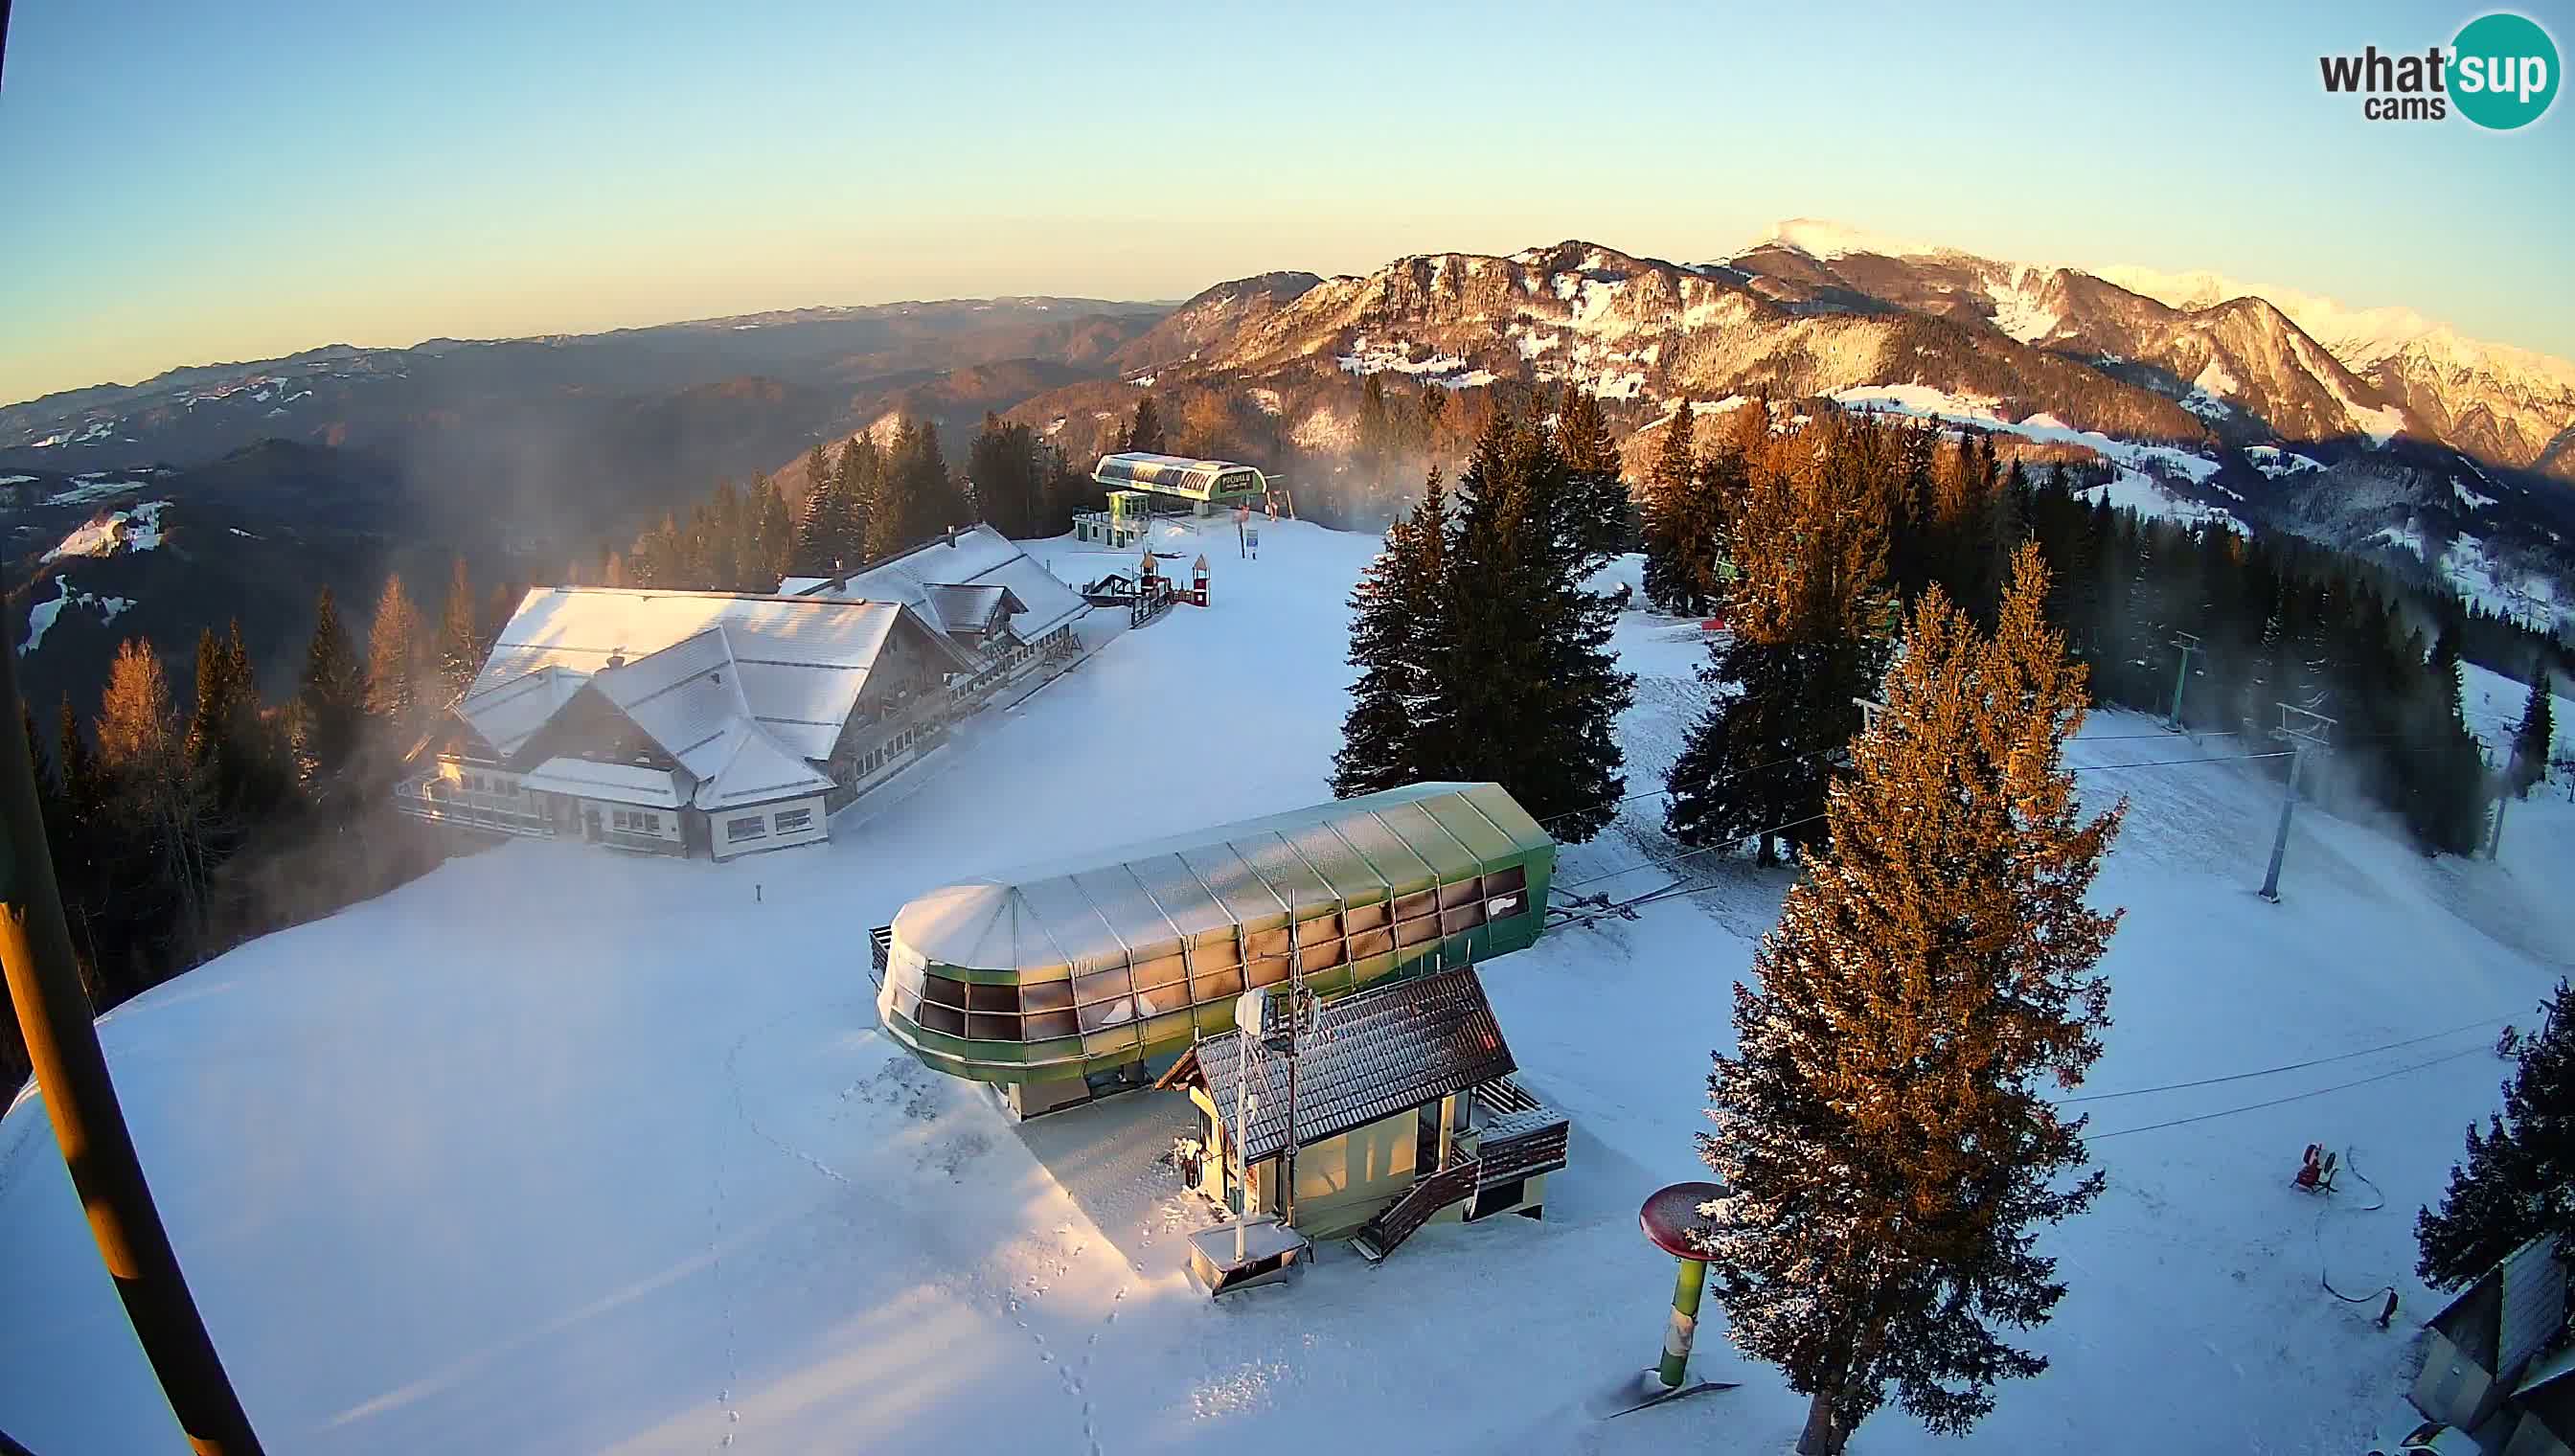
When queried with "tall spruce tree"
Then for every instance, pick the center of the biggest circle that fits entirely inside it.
(1145, 431)
(775, 538)
(231, 743)
(330, 709)
(461, 647)
(2531, 740)
(862, 483)
(1394, 734)
(1003, 464)
(818, 467)
(1524, 668)
(1806, 615)
(2519, 1178)
(1668, 582)
(1598, 507)
(917, 498)
(1884, 1128)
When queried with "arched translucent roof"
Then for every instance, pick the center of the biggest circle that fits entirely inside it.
(1179, 475)
(1132, 903)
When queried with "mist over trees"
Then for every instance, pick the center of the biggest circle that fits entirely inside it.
(180, 831)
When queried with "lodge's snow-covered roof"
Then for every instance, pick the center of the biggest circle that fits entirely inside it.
(505, 712)
(1150, 899)
(690, 699)
(969, 607)
(794, 665)
(619, 783)
(748, 766)
(1371, 1055)
(977, 557)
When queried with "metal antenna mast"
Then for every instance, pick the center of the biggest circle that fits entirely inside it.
(2305, 732)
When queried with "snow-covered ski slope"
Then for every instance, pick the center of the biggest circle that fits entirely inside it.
(559, 1151)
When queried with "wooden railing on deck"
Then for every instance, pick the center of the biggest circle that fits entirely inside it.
(1380, 1235)
(1522, 1146)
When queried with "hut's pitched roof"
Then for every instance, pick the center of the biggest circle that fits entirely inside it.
(1371, 1055)
(2512, 1311)
(973, 560)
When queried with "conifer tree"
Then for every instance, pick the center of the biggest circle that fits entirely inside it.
(917, 498)
(818, 469)
(862, 482)
(2440, 786)
(829, 535)
(2531, 740)
(774, 538)
(393, 657)
(1884, 1126)
(232, 744)
(1144, 432)
(75, 763)
(1525, 667)
(1598, 506)
(1003, 465)
(331, 708)
(461, 647)
(1375, 434)
(2519, 1178)
(1394, 734)
(1668, 580)
(1807, 618)
(40, 759)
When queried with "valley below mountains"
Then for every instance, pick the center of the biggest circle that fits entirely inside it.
(2372, 431)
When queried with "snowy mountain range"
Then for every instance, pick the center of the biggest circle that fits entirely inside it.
(2375, 431)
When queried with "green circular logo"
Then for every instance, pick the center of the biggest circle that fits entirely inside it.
(2503, 71)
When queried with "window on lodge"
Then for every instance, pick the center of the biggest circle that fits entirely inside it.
(636, 821)
(794, 820)
(748, 826)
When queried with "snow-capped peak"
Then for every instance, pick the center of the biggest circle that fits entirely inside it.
(1823, 239)
(2360, 337)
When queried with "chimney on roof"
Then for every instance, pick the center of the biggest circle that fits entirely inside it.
(617, 658)
(839, 577)
(952, 536)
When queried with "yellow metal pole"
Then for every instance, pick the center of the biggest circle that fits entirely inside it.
(62, 1043)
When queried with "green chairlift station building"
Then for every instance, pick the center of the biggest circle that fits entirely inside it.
(1141, 484)
(1070, 981)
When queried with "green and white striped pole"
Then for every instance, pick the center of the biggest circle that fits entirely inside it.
(1685, 1326)
(1672, 1222)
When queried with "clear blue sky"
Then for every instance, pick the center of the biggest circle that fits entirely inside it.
(189, 181)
